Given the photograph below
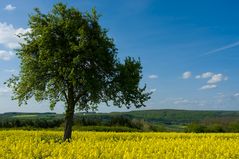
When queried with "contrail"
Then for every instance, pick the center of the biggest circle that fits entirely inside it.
(222, 48)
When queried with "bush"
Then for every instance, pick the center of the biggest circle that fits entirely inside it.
(215, 128)
(233, 127)
(35, 123)
(105, 128)
(122, 121)
(197, 128)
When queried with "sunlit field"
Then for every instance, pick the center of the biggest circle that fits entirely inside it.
(48, 144)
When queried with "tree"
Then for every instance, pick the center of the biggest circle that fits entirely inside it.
(67, 57)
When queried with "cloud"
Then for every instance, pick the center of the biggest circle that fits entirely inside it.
(186, 75)
(10, 7)
(6, 55)
(213, 79)
(229, 99)
(153, 90)
(220, 94)
(217, 78)
(153, 76)
(198, 77)
(236, 95)
(219, 101)
(10, 70)
(222, 48)
(9, 36)
(205, 87)
(181, 101)
(205, 75)
(4, 91)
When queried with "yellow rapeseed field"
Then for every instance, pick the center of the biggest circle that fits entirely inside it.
(48, 144)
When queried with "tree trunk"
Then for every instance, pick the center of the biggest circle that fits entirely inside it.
(69, 116)
(68, 125)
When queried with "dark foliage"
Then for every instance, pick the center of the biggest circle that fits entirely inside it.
(34, 123)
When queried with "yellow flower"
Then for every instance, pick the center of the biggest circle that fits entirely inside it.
(46, 144)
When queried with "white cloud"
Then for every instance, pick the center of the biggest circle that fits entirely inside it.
(236, 95)
(220, 101)
(223, 48)
(213, 79)
(10, 7)
(181, 101)
(205, 75)
(153, 76)
(8, 35)
(153, 90)
(186, 75)
(216, 78)
(220, 95)
(10, 70)
(6, 55)
(4, 90)
(205, 87)
(225, 78)
(198, 77)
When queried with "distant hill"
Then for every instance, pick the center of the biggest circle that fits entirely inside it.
(180, 116)
(14, 113)
(168, 116)
(172, 120)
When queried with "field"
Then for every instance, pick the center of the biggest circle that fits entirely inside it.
(142, 120)
(21, 144)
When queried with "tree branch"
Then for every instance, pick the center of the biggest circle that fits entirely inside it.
(64, 92)
(79, 96)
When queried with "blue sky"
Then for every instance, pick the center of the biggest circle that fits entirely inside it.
(189, 49)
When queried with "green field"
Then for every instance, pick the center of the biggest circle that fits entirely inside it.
(25, 116)
(141, 120)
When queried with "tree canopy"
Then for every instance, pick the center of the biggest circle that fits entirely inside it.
(68, 57)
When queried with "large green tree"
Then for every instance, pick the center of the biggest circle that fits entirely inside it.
(67, 57)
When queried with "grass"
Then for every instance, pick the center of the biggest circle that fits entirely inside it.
(25, 116)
